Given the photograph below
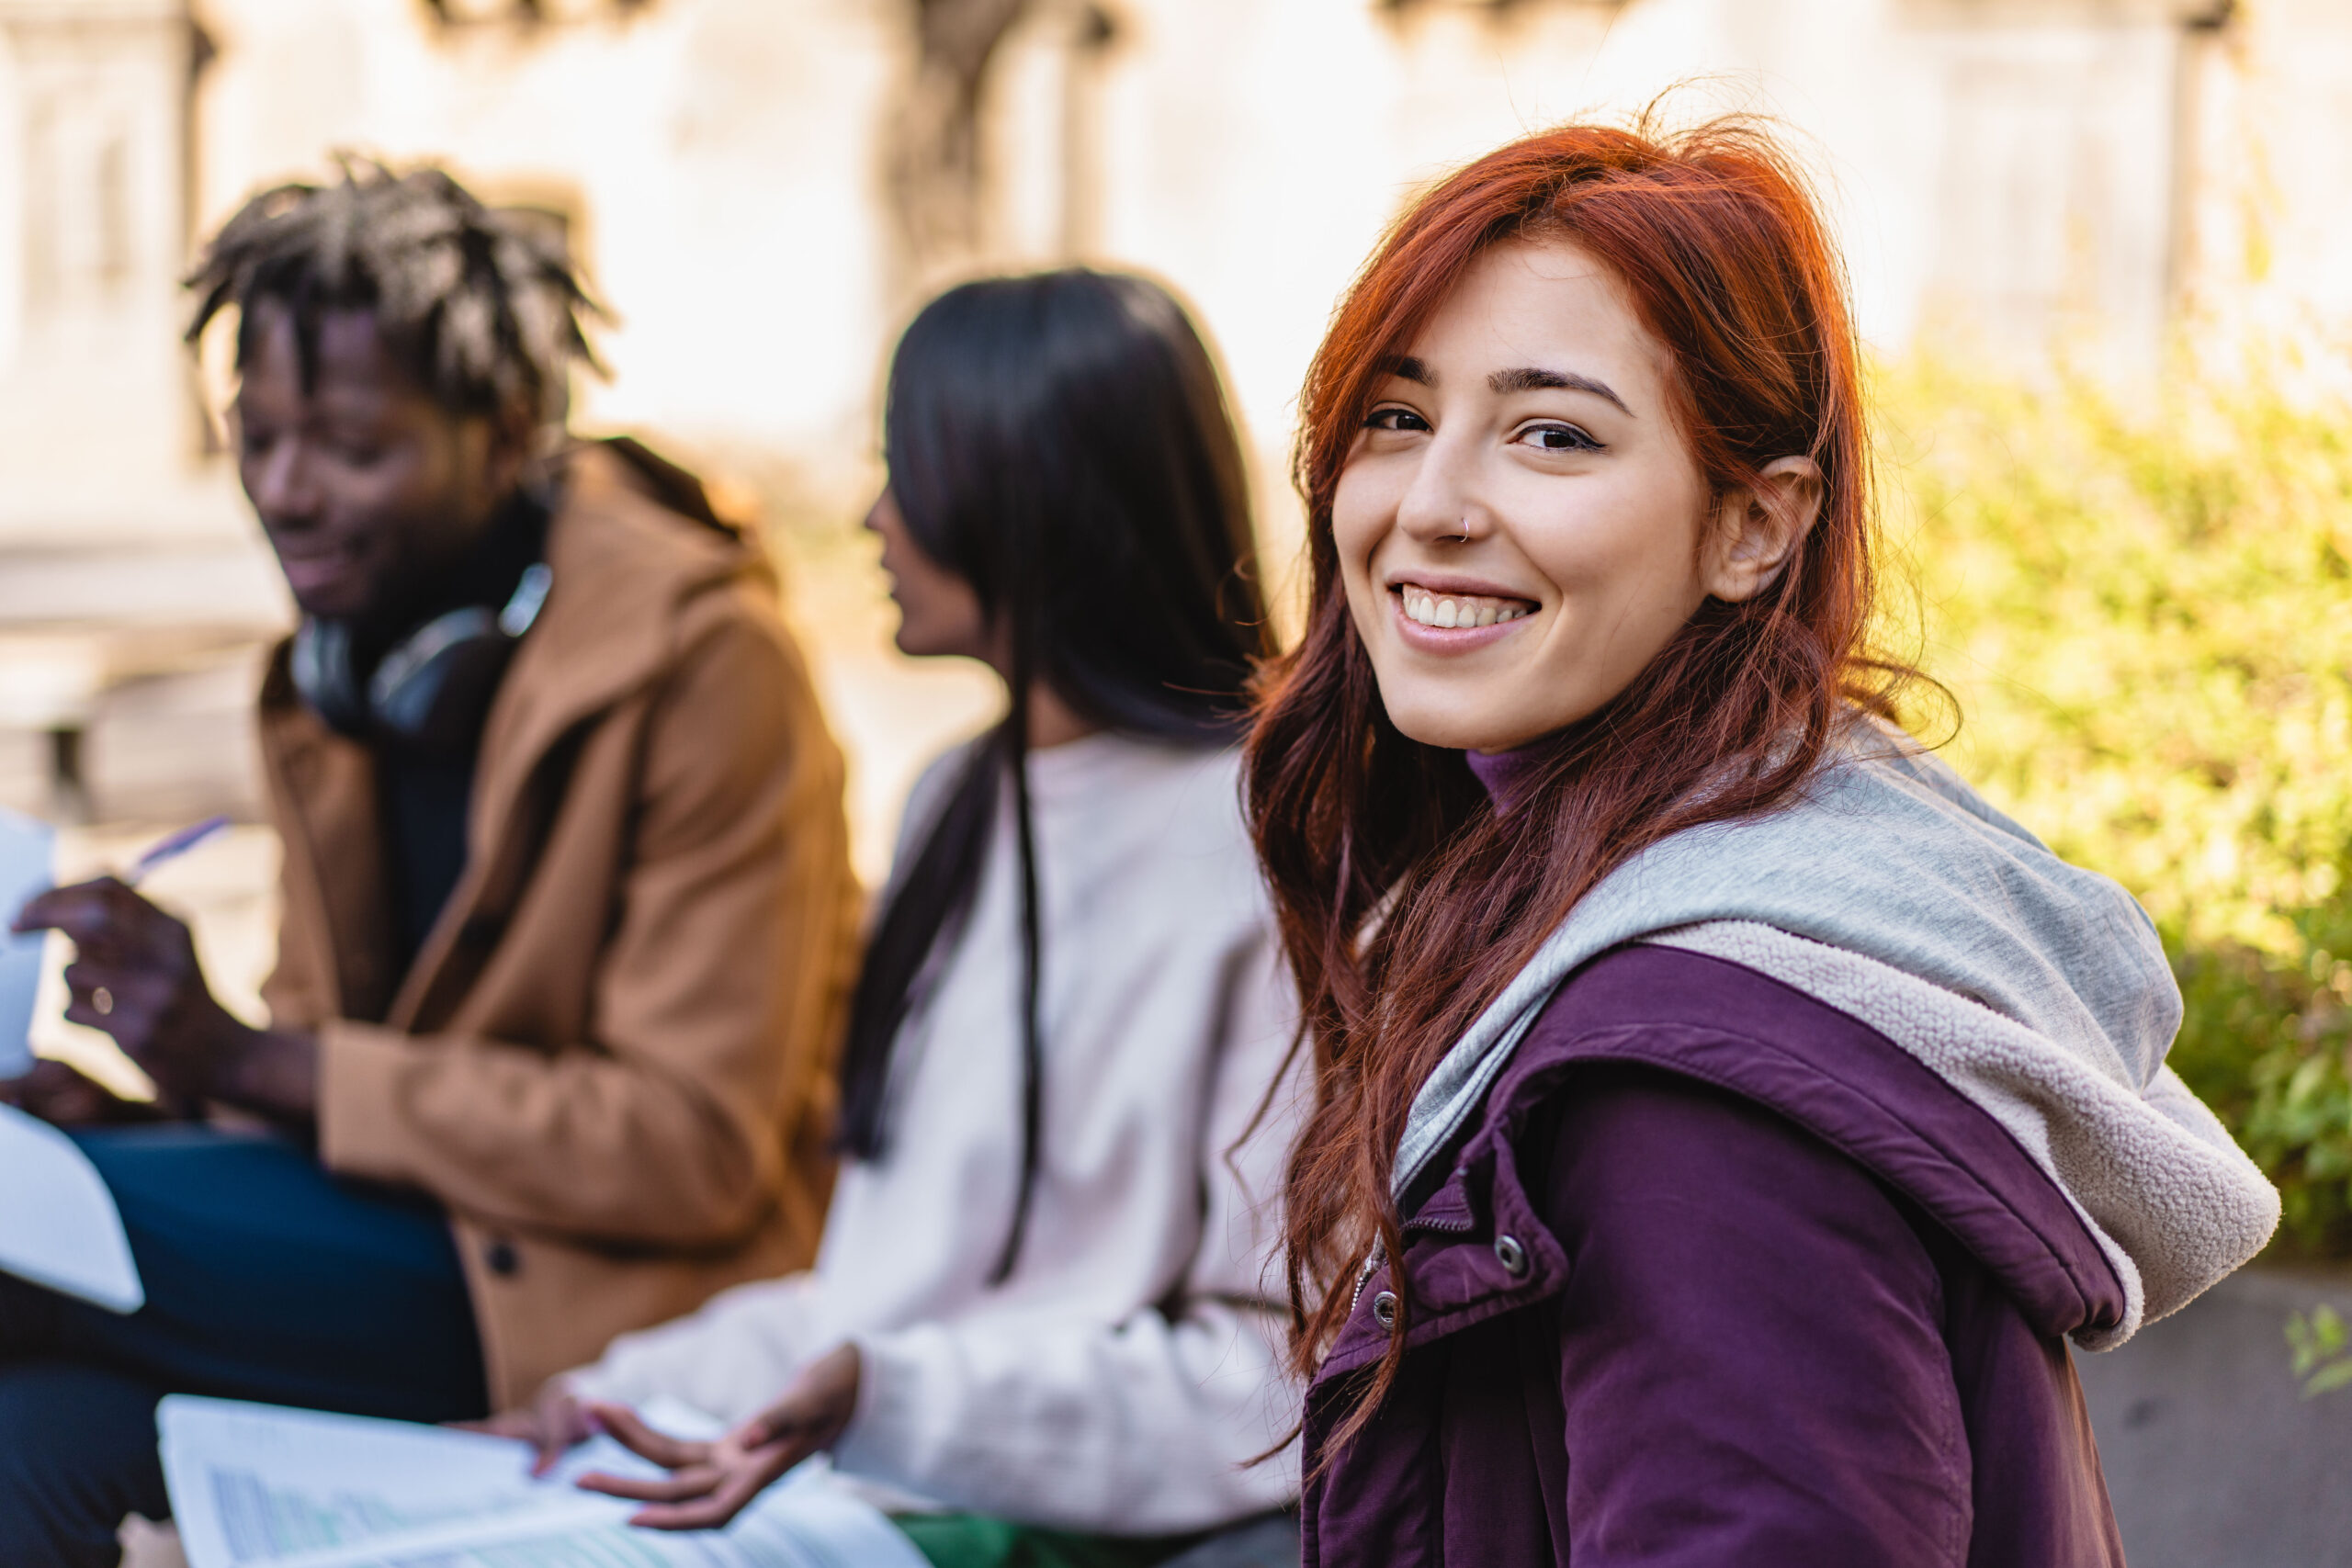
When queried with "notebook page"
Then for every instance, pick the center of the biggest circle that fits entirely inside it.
(261, 1487)
(59, 1225)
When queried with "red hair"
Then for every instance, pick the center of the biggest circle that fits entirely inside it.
(1406, 901)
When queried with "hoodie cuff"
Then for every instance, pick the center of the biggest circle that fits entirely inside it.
(885, 1440)
(596, 1383)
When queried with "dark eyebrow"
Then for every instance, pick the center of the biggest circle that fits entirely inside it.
(1405, 368)
(1527, 379)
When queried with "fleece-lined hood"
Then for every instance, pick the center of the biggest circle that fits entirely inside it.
(1891, 891)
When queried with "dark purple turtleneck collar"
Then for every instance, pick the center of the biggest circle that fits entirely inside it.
(1505, 774)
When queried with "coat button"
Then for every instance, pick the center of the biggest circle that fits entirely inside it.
(1384, 1310)
(1511, 1255)
(501, 1258)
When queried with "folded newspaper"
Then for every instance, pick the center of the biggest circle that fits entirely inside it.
(262, 1486)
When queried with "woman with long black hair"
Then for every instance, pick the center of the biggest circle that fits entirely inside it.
(1038, 1305)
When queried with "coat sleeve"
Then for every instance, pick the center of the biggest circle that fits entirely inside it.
(1146, 1426)
(1752, 1365)
(713, 1001)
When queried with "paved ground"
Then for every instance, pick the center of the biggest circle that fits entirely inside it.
(2213, 1457)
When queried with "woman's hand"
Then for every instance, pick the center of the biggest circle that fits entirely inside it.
(552, 1424)
(709, 1482)
(135, 975)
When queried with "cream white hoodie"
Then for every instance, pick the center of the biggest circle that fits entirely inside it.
(1123, 1378)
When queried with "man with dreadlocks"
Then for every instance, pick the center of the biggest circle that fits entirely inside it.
(567, 907)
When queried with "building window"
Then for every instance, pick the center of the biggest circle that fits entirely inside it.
(80, 232)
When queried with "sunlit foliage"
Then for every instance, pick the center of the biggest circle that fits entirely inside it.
(2143, 606)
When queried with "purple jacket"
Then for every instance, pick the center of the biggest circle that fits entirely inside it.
(1720, 1277)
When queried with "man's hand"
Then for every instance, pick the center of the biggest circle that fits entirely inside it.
(552, 1424)
(135, 976)
(63, 1098)
(709, 1482)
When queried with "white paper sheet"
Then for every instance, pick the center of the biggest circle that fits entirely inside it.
(59, 1227)
(28, 865)
(261, 1487)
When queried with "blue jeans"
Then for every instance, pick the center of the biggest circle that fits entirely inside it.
(266, 1279)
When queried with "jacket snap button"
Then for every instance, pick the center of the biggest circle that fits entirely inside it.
(501, 1258)
(1384, 1310)
(1511, 1254)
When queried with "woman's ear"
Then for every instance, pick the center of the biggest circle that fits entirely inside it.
(1757, 530)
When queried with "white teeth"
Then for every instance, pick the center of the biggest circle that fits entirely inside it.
(1429, 610)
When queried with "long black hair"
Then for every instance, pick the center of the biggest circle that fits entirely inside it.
(1062, 443)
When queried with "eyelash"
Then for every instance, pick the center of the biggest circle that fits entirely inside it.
(1578, 441)
(1392, 419)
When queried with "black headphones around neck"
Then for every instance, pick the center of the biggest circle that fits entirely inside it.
(432, 689)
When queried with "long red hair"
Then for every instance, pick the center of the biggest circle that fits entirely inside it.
(1406, 901)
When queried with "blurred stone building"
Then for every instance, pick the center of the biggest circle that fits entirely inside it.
(760, 188)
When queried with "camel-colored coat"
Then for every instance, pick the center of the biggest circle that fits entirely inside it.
(612, 1060)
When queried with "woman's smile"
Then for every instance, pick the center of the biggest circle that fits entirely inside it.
(1437, 616)
(1574, 564)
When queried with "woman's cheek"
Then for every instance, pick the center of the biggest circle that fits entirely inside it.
(1354, 528)
(1356, 533)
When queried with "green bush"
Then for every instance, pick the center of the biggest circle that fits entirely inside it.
(2147, 621)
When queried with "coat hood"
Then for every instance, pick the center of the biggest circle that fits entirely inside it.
(1894, 892)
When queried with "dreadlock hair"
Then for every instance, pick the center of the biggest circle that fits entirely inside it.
(486, 315)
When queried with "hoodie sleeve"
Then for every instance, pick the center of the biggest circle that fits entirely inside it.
(1145, 1426)
(722, 1359)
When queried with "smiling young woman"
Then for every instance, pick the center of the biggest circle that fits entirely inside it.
(1724, 1118)
(1517, 540)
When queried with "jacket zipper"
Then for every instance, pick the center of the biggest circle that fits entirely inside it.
(1363, 1276)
